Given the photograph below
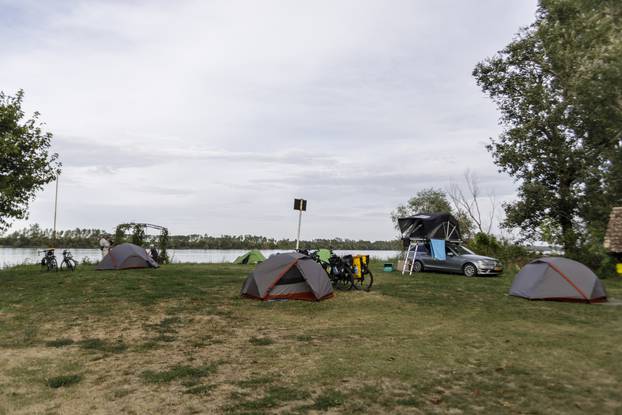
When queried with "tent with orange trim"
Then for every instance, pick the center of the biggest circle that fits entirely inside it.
(290, 276)
(559, 279)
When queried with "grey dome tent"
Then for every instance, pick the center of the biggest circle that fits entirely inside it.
(288, 276)
(559, 279)
(126, 256)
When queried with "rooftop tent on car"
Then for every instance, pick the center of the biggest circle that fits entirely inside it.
(126, 256)
(559, 279)
(291, 276)
(427, 227)
(251, 257)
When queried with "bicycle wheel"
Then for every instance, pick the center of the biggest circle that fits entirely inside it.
(67, 265)
(52, 265)
(345, 280)
(368, 281)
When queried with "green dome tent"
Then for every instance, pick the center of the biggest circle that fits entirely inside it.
(324, 254)
(251, 257)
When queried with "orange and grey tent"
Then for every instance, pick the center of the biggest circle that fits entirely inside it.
(288, 276)
(126, 256)
(559, 279)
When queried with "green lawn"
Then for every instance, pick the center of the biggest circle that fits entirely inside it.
(180, 340)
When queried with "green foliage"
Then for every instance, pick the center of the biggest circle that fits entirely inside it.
(103, 346)
(62, 381)
(178, 372)
(557, 88)
(26, 163)
(261, 341)
(509, 253)
(34, 236)
(59, 342)
(138, 234)
(431, 201)
(328, 399)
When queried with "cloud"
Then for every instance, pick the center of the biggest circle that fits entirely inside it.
(211, 116)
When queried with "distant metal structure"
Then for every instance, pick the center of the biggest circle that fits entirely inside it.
(300, 205)
(138, 237)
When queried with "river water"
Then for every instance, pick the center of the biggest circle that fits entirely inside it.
(17, 256)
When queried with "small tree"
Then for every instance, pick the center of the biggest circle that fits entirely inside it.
(26, 163)
(467, 202)
(431, 201)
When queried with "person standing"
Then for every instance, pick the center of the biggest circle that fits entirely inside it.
(104, 245)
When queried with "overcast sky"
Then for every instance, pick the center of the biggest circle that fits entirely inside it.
(211, 116)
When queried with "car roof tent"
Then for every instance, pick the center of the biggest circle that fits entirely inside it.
(288, 276)
(560, 279)
(424, 227)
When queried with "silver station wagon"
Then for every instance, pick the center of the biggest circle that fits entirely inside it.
(458, 260)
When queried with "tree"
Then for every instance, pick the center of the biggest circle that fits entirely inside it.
(431, 201)
(26, 163)
(552, 84)
(467, 203)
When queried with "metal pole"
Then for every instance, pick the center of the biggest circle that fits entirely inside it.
(298, 236)
(55, 208)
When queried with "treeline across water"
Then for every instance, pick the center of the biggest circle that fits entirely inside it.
(36, 237)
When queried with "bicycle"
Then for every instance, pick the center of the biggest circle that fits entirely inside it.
(68, 262)
(339, 270)
(48, 262)
(365, 279)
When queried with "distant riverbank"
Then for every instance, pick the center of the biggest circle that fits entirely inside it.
(16, 256)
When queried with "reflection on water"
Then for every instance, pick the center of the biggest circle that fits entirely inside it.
(17, 256)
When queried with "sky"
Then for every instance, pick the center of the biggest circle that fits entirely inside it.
(212, 116)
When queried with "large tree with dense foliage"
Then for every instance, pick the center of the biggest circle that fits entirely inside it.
(26, 163)
(557, 86)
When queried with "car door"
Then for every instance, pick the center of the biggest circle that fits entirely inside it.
(433, 263)
(454, 260)
(423, 255)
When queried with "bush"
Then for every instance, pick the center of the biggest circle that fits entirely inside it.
(512, 255)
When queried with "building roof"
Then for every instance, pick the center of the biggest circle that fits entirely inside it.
(613, 237)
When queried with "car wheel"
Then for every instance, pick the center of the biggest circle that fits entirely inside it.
(417, 266)
(469, 270)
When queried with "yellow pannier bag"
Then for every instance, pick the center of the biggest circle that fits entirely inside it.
(619, 269)
(357, 265)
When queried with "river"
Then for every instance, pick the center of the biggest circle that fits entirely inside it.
(17, 256)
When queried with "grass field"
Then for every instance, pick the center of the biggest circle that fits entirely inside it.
(180, 340)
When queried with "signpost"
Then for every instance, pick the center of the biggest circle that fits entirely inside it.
(300, 205)
(55, 208)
